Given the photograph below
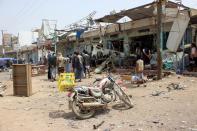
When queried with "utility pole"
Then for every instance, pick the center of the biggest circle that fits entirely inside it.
(3, 50)
(2, 37)
(159, 39)
(17, 48)
(56, 38)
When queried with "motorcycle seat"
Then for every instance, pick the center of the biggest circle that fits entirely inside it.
(95, 92)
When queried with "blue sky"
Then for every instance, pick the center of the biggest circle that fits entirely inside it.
(19, 15)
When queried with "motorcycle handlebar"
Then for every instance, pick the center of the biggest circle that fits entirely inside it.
(110, 78)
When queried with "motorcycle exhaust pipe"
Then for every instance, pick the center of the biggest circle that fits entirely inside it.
(95, 104)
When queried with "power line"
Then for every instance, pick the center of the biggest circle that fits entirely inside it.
(30, 12)
(23, 11)
(24, 8)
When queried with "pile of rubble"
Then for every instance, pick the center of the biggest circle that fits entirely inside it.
(174, 86)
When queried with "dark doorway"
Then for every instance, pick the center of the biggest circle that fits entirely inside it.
(147, 41)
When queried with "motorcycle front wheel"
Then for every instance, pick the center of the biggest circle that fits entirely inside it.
(124, 97)
(81, 113)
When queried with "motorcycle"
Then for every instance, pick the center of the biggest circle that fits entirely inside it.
(85, 100)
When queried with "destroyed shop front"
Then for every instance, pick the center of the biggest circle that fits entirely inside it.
(127, 30)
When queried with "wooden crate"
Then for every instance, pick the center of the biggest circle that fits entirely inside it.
(22, 83)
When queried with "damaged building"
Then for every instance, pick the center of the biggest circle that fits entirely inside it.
(139, 30)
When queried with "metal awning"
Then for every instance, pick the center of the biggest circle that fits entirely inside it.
(141, 12)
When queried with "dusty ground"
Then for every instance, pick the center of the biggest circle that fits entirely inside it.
(47, 109)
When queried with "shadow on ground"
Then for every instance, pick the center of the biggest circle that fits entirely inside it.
(71, 116)
(61, 114)
(120, 106)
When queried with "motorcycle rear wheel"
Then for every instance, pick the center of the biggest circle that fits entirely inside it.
(80, 113)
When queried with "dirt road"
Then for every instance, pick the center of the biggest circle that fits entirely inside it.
(156, 109)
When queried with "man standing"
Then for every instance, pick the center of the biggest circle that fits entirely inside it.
(60, 63)
(138, 52)
(73, 59)
(77, 65)
(68, 64)
(44, 60)
(146, 56)
(80, 67)
(49, 65)
(53, 66)
(194, 53)
(86, 63)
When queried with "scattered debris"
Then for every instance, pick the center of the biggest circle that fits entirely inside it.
(190, 73)
(97, 126)
(157, 93)
(167, 97)
(193, 129)
(169, 89)
(174, 86)
(27, 109)
(73, 125)
(2, 89)
(107, 129)
(182, 127)
(155, 122)
(112, 125)
(130, 96)
(131, 125)
(119, 126)
(183, 121)
(155, 78)
(151, 76)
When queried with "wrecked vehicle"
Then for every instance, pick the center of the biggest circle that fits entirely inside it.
(107, 64)
(85, 100)
(6, 63)
(99, 52)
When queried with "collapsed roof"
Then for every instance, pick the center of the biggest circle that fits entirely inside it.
(141, 12)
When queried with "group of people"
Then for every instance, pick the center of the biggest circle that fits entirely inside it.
(79, 63)
(145, 54)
